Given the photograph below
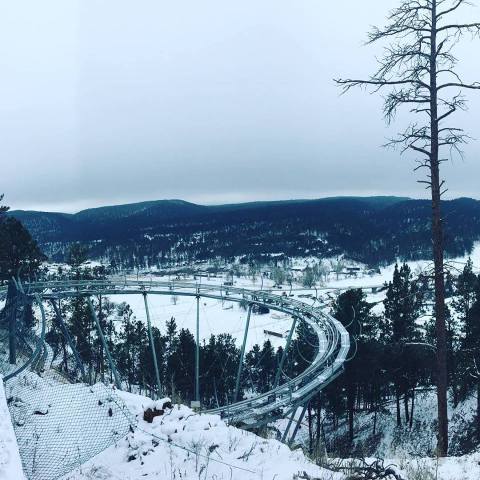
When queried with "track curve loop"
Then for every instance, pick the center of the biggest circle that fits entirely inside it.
(333, 338)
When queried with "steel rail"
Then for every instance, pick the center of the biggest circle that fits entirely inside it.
(40, 342)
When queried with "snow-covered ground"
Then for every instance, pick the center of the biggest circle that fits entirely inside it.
(410, 468)
(60, 427)
(10, 463)
(183, 445)
(451, 468)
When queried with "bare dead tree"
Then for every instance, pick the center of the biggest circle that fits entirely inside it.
(418, 71)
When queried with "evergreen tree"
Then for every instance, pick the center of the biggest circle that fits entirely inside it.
(403, 305)
(19, 253)
(466, 304)
(268, 367)
(144, 374)
(81, 328)
(182, 364)
(171, 341)
(252, 367)
(127, 345)
(459, 328)
(465, 291)
(354, 312)
(219, 364)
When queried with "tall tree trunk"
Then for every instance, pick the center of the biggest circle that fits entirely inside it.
(405, 404)
(65, 359)
(397, 398)
(437, 237)
(310, 429)
(351, 408)
(412, 409)
(319, 420)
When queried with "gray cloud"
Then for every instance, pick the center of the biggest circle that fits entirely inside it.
(110, 101)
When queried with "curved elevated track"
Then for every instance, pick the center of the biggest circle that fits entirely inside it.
(331, 352)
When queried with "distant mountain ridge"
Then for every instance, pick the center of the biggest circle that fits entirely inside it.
(368, 229)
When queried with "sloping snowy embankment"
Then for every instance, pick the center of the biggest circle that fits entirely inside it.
(411, 451)
(450, 468)
(183, 445)
(10, 463)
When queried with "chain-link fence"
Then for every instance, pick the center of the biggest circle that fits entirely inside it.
(59, 425)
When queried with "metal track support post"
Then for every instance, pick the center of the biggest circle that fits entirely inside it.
(197, 353)
(289, 424)
(242, 355)
(297, 426)
(105, 346)
(284, 353)
(63, 328)
(152, 345)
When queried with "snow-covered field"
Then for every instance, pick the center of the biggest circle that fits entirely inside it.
(227, 317)
(215, 317)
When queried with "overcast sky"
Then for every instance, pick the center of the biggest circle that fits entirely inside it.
(212, 101)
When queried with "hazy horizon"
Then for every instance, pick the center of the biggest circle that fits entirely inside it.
(292, 199)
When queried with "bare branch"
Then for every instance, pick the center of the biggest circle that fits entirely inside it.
(348, 83)
(471, 86)
(475, 27)
(418, 149)
(450, 10)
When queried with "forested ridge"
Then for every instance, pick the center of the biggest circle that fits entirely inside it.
(373, 230)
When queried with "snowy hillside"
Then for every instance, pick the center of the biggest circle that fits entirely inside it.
(183, 445)
(60, 427)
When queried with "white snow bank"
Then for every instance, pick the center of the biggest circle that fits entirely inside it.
(450, 468)
(10, 463)
(184, 445)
